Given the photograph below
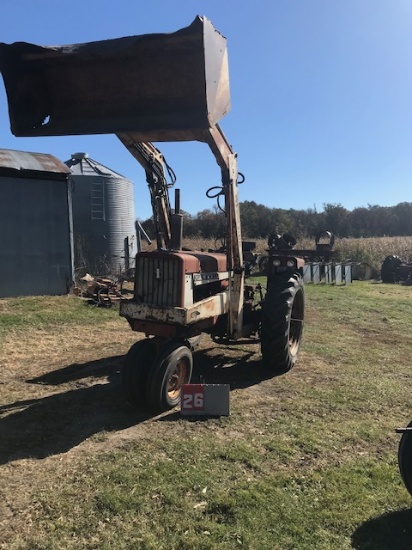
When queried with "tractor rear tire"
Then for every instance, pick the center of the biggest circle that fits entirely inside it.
(405, 458)
(136, 369)
(170, 371)
(281, 331)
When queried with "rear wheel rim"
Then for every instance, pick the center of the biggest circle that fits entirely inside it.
(178, 378)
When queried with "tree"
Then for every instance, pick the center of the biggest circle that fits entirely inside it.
(259, 221)
(336, 219)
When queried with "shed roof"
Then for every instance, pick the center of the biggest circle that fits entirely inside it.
(22, 161)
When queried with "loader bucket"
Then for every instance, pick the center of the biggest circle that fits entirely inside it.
(163, 87)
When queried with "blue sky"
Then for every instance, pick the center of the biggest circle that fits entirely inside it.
(321, 95)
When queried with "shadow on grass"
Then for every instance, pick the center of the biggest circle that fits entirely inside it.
(77, 371)
(388, 532)
(238, 368)
(242, 370)
(44, 426)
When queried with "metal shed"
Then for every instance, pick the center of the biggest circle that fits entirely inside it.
(36, 251)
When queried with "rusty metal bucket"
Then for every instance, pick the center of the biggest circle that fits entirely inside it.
(162, 87)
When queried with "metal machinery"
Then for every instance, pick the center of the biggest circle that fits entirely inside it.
(163, 87)
(284, 245)
(405, 456)
(395, 270)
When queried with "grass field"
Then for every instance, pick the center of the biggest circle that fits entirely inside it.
(307, 460)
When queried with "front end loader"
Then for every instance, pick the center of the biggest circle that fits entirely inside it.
(156, 88)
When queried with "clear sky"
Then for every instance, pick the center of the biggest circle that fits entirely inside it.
(321, 95)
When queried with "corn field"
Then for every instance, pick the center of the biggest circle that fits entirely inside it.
(372, 250)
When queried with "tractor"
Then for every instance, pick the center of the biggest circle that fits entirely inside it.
(160, 88)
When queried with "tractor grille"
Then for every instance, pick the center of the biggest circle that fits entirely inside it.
(158, 280)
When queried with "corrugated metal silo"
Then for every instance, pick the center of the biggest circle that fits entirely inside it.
(103, 217)
(36, 252)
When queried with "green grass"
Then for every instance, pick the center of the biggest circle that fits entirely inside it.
(202, 495)
(305, 461)
(44, 312)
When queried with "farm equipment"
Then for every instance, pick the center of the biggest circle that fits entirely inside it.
(155, 88)
(395, 270)
(284, 245)
(405, 456)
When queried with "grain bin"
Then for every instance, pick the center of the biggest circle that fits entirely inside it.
(103, 217)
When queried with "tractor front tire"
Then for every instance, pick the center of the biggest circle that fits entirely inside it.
(405, 458)
(283, 312)
(136, 369)
(170, 371)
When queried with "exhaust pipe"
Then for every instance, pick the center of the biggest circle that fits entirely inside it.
(176, 224)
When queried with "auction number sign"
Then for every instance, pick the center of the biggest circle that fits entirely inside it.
(193, 398)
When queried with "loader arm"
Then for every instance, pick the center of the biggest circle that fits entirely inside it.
(227, 160)
(152, 162)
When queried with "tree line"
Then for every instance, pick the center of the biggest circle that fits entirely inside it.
(259, 221)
